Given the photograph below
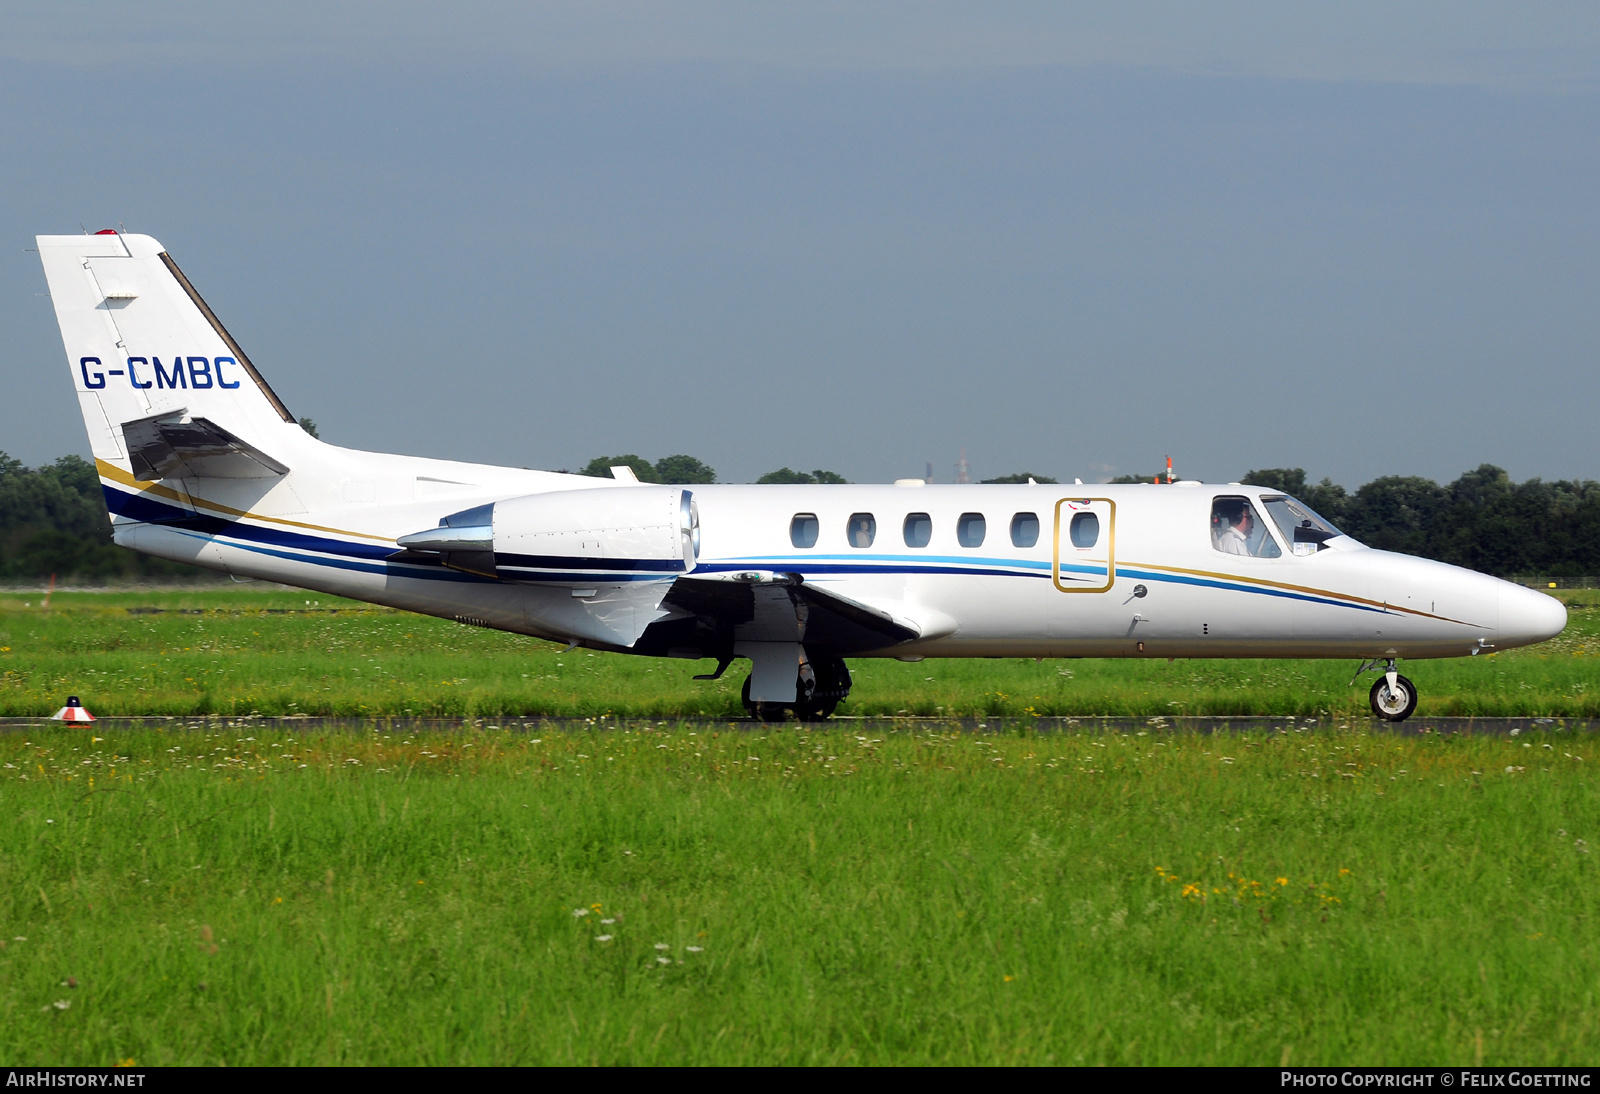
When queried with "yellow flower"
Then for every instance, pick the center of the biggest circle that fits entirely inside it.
(1283, 881)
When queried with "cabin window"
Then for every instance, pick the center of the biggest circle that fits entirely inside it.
(1236, 529)
(1084, 531)
(1025, 529)
(803, 530)
(918, 530)
(862, 529)
(970, 530)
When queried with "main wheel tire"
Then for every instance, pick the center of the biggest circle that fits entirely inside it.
(831, 685)
(764, 712)
(815, 711)
(1396, 705)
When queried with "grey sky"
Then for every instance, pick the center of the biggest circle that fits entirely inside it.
(1345, 237)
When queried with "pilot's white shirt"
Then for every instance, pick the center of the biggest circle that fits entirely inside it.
(1232, 542)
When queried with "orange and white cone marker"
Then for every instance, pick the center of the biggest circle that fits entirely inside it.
(72, 712)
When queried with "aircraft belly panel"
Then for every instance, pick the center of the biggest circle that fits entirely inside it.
(985, 607)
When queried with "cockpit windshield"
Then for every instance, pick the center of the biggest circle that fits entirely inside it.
(1306, 532)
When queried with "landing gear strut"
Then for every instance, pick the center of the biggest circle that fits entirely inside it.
(1393, 697)
(817, 692)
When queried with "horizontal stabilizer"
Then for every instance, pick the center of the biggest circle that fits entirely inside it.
(173, 445)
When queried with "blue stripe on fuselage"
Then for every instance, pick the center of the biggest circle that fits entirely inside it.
(556, 562)
(142, 507)
(261, 540)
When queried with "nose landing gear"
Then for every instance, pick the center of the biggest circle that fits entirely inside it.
(1393, 697)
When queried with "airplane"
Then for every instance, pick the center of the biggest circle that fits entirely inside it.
(202, 463)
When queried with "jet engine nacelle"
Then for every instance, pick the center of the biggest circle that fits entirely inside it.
(602, 534)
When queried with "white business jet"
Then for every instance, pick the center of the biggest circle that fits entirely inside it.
(202, 463)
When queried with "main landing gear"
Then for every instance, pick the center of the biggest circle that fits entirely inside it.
(1393, 697)
(815, 698)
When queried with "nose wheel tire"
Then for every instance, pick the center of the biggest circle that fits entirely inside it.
(1394, 704)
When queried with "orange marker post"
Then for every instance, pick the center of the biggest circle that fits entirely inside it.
(72, 712)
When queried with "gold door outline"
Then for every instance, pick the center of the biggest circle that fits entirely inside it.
(1111, 550)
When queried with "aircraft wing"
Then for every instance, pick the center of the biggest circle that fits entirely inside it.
(828, 620)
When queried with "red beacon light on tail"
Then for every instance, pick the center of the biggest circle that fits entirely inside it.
(72, 712)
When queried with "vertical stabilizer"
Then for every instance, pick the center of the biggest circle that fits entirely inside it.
(154, 368)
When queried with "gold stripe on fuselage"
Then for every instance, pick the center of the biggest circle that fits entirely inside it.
(125, 478)
(1299, 589)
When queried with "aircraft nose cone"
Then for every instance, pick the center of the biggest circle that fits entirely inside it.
(1527, 616)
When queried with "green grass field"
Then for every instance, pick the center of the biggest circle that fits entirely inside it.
(246, 649)
(702, 896)
(667, 891)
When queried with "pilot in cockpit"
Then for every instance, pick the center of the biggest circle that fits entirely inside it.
(1233, 521)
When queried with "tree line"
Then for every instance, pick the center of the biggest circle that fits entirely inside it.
(1482, 520)
(53, 521)
(53, 518)
(688, 471)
